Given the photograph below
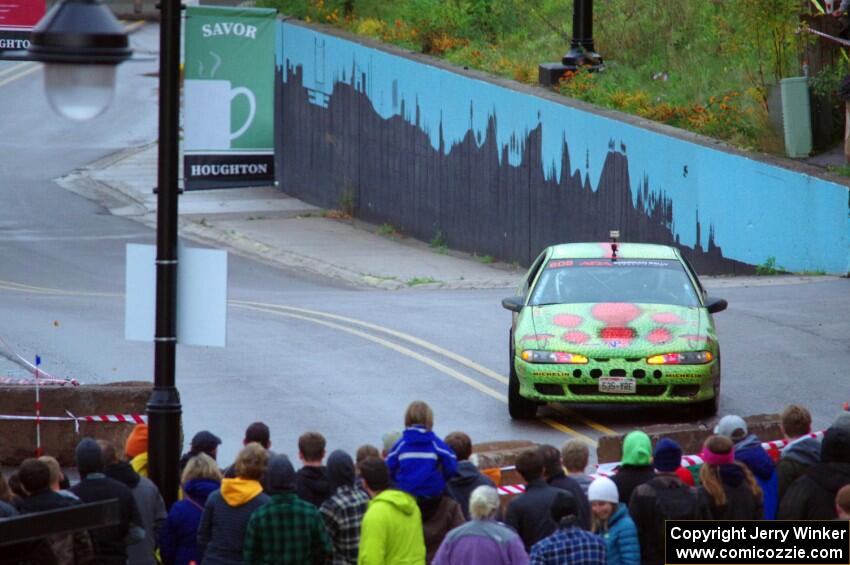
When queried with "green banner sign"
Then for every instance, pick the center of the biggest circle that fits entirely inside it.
(228, 94)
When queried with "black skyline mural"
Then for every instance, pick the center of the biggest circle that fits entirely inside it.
(338, 150)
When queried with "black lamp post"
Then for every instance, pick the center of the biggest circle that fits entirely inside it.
(581, 54)
(81, 43)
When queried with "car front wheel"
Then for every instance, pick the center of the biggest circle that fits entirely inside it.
(519, 408)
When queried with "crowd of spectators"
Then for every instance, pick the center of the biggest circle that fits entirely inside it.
(420, 499)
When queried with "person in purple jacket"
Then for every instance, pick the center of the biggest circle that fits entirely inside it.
(420, 463)
(483, 540)
(178, 538)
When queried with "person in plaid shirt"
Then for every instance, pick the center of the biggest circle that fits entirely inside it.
(286, 530)
(569, 545)
(343, 511)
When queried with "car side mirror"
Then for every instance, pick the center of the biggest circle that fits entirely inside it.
(513, 303)
(715, 305)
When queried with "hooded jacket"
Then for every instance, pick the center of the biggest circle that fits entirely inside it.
(178, 539)
(741, 503)
(635, 468)
(621, 538)
(110, 543)
(221, 533)
(343, 511)
(797, 456)
(312, 484)
(287, 530)
(420, 463)
(466, 480)
(391, 533)
(812, 496)
(151, 510)
(750, 452)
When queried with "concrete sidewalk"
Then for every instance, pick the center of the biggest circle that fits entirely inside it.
(266, 224)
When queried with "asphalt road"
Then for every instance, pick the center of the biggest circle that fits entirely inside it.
(308, 354)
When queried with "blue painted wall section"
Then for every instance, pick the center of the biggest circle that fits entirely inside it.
(503, 172)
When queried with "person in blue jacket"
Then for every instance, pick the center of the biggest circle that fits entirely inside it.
(748, 450)
(178, 539)
(611, 520)
(420, 463)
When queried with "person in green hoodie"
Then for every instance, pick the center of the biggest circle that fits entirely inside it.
(636, 466)
(391, 532)
(221, 533)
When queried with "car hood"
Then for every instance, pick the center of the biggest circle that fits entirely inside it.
(603, 328)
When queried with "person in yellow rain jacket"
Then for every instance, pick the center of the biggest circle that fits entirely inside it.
(392, 526)
(136, 449)
(221, 534)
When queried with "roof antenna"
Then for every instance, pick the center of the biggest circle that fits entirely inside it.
(614, 235)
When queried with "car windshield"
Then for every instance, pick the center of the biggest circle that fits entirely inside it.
(650, 281)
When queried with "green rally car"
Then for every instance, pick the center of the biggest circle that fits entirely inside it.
(612, 323)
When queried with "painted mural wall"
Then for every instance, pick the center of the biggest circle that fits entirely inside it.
(498, 171)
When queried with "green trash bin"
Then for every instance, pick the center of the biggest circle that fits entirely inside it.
(796, 116)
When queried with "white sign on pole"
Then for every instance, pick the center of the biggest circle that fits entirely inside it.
(201, 295)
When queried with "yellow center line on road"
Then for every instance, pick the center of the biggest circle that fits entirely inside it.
(303, 313)
(423, 359)
(569, 412)
(22, 74)
(460, 359)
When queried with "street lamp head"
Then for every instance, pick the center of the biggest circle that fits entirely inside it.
(81, 43)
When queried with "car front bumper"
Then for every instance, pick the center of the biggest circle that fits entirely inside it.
(679, 384)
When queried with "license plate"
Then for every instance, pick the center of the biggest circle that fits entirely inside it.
(617, 385)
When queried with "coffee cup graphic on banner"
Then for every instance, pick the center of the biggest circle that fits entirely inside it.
(208, 107)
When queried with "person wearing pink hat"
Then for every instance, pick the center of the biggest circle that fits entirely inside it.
(728, 488)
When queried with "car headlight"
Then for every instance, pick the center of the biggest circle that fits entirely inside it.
(533, 356)
(687, 358)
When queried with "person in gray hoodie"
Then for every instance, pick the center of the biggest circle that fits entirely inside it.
(148, 500)
(221, 534)
(802, 451)
(468, 477)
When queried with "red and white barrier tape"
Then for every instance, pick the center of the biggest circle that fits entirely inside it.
(101, 418)
(41, 382)
(608, 469)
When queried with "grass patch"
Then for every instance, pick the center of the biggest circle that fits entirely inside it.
(486, 259)
(769, 268)
(697, 65)
(381, 277)
(417, 281)
(817, 273)
(335, 214)
(843, 170)
(439, 244)
(388, 230)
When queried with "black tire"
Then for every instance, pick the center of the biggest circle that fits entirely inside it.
(709, 408)
(519, 408)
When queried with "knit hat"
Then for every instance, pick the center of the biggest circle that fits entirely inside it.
(731, 426)
(563, 505)
(137, 442)
(835, 446)
(340, 470)
(843, 421)
(88, 457)
(280, 475)
(668, 455)
(603, 489)
(637, 449)
(205, 442)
